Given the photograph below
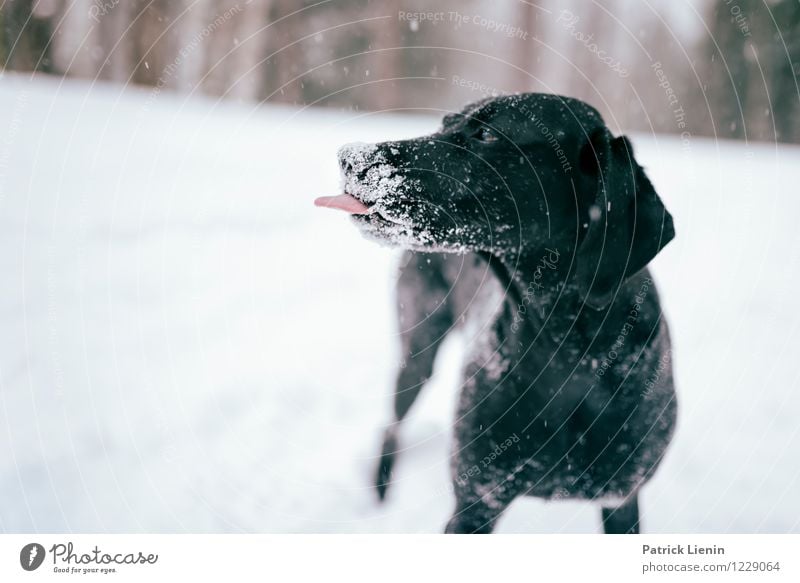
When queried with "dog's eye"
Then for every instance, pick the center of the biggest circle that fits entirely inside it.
(485, 135)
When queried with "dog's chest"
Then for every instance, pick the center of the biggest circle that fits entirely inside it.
(478, 300)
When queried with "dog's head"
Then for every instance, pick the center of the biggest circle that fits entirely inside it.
(508, 174)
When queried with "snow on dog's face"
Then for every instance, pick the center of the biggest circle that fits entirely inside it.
(494, 175)
(505, 173)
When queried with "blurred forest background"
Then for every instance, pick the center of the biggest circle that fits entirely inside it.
(723, 68)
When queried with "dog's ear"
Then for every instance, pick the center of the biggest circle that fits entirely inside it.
(627, 222)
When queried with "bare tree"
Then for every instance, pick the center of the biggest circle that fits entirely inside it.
(524, 47)
(729, 75)
(234, 58)
(152, 48)
(387, 63)
(26, 35)
(784, 71)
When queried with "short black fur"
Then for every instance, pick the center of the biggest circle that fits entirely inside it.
(524, 215)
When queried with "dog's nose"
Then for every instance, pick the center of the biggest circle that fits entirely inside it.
(357, 158)
(349, 168)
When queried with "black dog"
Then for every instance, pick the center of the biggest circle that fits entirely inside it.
(568, 391)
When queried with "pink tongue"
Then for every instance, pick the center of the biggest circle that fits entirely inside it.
(343, 202)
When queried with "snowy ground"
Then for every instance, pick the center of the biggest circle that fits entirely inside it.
(189, 345)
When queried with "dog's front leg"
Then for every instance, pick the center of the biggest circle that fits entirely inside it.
(482, 492)
(474, 516)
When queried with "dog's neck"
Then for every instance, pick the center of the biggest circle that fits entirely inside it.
(534, 279)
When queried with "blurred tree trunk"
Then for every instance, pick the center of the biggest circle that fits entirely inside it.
(728, 86)
(152, 48)
(591, 24)
(288, 63)
(387, 64)
(26, 35)
(4, 43)
(75, 48)
(524, 50)
(187, 42)
(785, 70)
(115, 44)
(233, 59)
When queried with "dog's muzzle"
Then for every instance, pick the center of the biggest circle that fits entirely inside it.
(367, 180)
